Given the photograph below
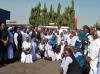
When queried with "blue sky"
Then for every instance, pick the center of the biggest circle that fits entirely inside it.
(87, 11)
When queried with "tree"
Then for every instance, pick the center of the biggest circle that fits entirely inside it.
(44, 17)
(72, 16)
(35, 18)
(51, 14)
(59, 17)
(97, 25)
(66, 16)
(59, 9)
(32, 18)
(69, 16)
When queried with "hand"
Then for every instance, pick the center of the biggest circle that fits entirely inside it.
(5, 42)
(88, 59)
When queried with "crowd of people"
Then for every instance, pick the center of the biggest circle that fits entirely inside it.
(78, 51)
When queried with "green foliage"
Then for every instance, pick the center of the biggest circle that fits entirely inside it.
(44, 17)
(97, 25)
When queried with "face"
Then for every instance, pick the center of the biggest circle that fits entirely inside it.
(36, 29)
(66, 53)
(27, 39)
(18, 29)
(92, 31)
(86, 30)
(71, 36)
(2, 25)
(65, 43)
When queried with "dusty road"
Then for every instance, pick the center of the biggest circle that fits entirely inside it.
(38, 67)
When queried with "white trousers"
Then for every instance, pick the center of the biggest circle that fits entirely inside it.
(93, 67)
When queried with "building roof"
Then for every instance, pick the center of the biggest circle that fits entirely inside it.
(4, 15)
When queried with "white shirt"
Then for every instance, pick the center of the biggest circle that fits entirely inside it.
(48, 37)
(15, 38)
(65, 63)
(98, 32)
(77, 54)
(90, 38)
(23, 35)
(93, 49)
(65, 37)
(73, 41)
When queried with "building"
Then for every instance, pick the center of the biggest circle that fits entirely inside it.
(4, 15)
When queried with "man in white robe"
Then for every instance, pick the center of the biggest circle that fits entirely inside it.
(26, 56)
(49, 52)
(93, 53)
(65, 62)
(59, 55)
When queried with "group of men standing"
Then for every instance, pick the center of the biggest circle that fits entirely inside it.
(29, 44)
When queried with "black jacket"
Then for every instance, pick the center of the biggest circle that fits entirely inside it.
(74, 67)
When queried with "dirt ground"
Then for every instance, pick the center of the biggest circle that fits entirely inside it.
(38, 67)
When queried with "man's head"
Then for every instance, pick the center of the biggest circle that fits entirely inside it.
(86, 29)
(67, 52)
(2, 26)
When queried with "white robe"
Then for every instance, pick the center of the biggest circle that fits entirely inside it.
(49, 52)
(93, 53)
(15, 39)
(73, 40)
(59, 55)
(41, 47)
(65, 63)
(26, 58)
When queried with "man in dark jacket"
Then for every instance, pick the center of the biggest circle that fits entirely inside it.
(3, 44)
